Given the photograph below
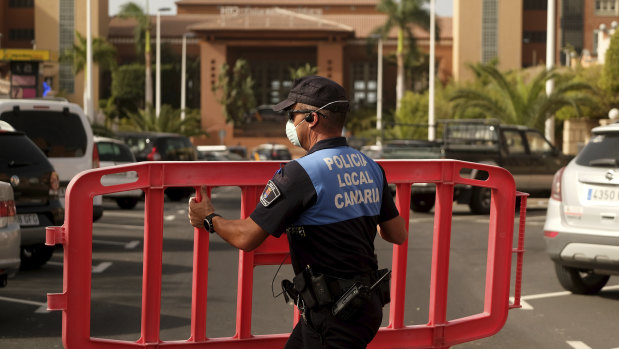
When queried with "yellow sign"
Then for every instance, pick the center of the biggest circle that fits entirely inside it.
(11, 54)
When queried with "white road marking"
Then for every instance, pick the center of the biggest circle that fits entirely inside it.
(42, 307)
(98, 269)
(578, 345)
(132, 244)
(127, 245)
(169, 217)
(136, 213)
(101, 267)
(527, 306)
(124, 226)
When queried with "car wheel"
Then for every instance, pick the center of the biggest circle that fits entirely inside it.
(35, 256)
(580, 281)
(480, 200)
(127, 203)
(422, 202)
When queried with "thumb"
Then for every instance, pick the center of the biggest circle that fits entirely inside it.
(204, 191)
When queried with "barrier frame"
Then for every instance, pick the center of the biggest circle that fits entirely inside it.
(154, 177)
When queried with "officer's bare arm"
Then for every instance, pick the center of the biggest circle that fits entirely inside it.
(240, 233)
(393, 230)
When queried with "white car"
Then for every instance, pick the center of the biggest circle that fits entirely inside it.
(62, 131)
(9, 234)
(113, 152)
(582, 222)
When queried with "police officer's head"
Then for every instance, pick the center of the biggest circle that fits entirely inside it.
(319, 102)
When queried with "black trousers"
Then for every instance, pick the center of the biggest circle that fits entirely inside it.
(323, 330)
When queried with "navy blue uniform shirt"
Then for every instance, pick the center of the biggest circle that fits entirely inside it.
(328, 203)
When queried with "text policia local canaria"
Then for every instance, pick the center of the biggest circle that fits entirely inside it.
(346, 179)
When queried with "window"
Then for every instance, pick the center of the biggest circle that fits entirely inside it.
(56, 133)
(21, 3)
(541, 5)
(531, 37)
(364, 84)
(489, 31)
(537, 143)
(67, 37)
(514, 143)
(21, 34)
(606, 7)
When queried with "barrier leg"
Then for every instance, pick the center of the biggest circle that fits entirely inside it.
(151, 283)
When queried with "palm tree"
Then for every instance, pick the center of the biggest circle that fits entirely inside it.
(103, 54)
(302, 71)
(169, 120)
(402, 15)
(142, 39)
(518, 102)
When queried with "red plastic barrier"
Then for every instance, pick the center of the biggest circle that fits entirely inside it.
(154, 177)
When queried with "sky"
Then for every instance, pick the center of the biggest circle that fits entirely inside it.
(443, 7)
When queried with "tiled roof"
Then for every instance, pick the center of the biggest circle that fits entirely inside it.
(278, 2)
(277, 20)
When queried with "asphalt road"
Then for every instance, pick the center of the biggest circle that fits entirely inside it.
(550, 318)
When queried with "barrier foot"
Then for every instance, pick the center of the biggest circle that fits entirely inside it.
(54, 235)
(56, 301)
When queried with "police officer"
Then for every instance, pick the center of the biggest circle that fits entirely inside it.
(329, 203)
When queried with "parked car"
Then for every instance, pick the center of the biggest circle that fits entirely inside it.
(217, 153)
(160, 146)
(582, 219)
(36, 194)
(271, 151)
(523, 151)
(113, 152)
(62, 131)
(10, 235)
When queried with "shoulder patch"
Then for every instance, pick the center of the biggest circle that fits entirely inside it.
(271, 193)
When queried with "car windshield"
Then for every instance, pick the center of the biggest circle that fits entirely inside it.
(109, 151)
(16, 150)
(58, 134)
(600, 151)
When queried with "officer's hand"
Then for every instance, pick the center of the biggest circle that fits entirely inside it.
(199, 210)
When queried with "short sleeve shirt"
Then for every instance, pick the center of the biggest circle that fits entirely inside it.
(329, 203)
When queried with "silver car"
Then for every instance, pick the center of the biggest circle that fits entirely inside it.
(10, 237)
(113, 152)
(582, 223)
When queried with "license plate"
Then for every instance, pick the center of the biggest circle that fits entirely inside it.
(27, 220)
(605, 195)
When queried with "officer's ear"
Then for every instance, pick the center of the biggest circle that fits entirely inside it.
(312, 119)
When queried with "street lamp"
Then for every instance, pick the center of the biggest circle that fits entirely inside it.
(379, 91)
(432, 128)
(158, 62)
(183, 69)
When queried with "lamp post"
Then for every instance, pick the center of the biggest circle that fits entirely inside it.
(158, 63)
(379, 90)
(379, 94)
(183, 70)
(431, 126)
(549, 126)
(88, 105)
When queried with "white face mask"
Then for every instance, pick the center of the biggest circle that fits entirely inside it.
(291, 133)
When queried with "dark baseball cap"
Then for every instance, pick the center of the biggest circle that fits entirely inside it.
(316, 91)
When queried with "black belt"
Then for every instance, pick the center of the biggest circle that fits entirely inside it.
(318, 290)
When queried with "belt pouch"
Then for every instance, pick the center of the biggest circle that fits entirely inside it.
(321, 290)
(383, 288)
(303, 287)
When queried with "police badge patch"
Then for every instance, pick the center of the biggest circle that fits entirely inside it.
(271, 193)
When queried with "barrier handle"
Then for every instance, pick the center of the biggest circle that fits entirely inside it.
(519, 250)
